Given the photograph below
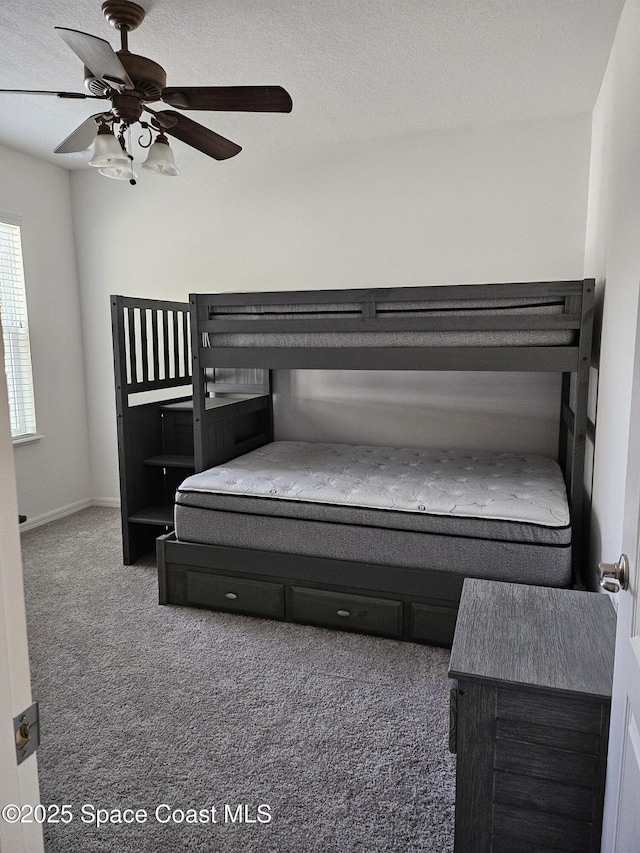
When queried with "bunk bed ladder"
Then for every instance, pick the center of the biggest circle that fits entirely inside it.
(152, 362)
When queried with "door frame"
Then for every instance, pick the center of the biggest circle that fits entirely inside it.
(18, 783)
(627, 659)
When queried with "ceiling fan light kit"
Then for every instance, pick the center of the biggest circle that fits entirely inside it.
(107, 151)
(120, 172)
(130, 82)
(160, 158)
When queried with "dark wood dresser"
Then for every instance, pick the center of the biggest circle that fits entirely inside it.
(530, 717)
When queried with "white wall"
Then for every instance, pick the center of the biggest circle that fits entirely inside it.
(613, 257)
(482, 411)
(497, 203)
(53, 473)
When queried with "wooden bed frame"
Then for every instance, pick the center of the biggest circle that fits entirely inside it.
(232, 414)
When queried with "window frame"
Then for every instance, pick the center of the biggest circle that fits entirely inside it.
(17, 344)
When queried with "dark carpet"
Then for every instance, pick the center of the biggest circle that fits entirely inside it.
(224, 733)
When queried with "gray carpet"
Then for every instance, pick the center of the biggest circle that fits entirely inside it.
(342, 736)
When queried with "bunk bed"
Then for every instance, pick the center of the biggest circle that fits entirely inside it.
(314, 532)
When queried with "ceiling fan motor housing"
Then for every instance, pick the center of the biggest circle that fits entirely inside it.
(148, 77)
(123, 13)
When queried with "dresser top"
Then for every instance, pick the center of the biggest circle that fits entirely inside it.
(555, 639)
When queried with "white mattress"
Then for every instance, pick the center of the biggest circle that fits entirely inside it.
(463, 484)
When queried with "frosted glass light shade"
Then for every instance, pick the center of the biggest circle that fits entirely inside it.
(107, 151)
(160, 159)
(120, 172)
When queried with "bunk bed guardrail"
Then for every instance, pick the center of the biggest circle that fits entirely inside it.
(154, 343)
(418, 328)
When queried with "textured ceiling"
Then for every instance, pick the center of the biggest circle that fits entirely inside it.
(355, 68)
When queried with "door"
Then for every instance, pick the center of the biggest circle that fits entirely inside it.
(18, 783)
(621, 830)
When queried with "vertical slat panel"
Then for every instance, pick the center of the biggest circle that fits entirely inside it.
(179, 345)
(165, 342)
(154, 345)
(190, 346)
(133, 358)
(185, 342)
(176, 342)
(144, 346)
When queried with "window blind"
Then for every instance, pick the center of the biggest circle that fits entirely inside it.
(15, 329)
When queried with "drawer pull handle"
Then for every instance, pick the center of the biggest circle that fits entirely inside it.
(230, 595)
(344, 613)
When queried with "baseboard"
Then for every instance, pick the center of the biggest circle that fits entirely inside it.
(54, 514)
(63, 511)
(112, 502)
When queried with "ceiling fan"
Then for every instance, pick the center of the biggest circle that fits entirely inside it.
(131, 82)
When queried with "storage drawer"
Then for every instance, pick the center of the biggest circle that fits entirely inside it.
(255, 598)
(347, 612)
(433, 623)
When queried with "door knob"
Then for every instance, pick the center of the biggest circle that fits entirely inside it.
(614, 576)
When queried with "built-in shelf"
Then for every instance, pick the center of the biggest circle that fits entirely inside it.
(160, 514)
(222, 400)
(219, 401)
(171, 460)
(156, 451)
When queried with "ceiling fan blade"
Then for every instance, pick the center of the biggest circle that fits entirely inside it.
(81, 138)
(98, 55)
(197, 136)
(254, 99)
(41, 92)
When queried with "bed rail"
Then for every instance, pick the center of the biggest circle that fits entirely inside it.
(153, 343)
(460, 327)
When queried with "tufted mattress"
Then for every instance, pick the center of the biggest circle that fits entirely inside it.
(475, 513)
